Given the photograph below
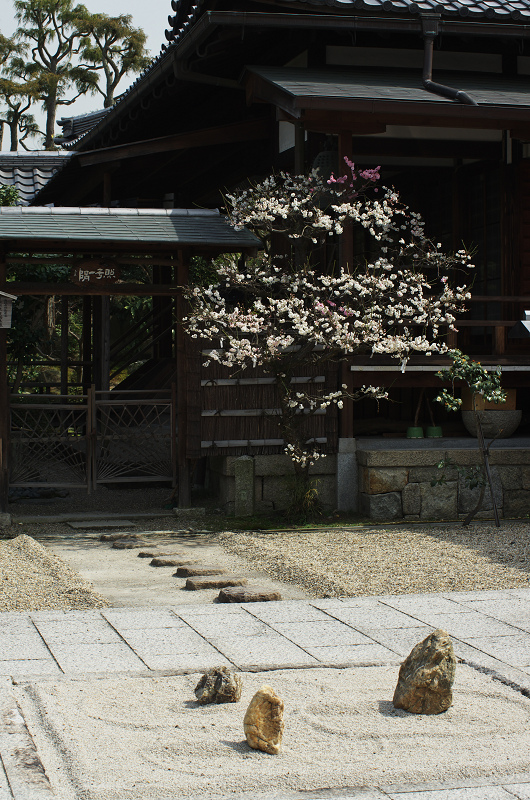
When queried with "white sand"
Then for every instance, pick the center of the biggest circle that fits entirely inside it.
(136, 738)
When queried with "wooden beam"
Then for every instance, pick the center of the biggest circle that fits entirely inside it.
(243, 131)
(184, 467)
(117, 289)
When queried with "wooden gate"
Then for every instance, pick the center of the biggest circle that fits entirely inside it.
(83, 441)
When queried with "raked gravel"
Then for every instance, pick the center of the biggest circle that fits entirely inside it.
(399, 559)
(32, 579)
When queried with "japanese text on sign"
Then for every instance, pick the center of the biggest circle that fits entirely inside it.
(97, 274)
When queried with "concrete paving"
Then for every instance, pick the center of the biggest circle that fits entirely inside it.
(490, 631)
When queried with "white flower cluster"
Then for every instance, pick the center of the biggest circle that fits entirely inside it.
(304, 458)
(284, 315)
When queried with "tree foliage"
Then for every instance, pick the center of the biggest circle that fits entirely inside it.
(59, 52)
(116, 48)
(52, 31)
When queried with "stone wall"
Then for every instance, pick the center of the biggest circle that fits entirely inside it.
(273, 481)
(397, 484)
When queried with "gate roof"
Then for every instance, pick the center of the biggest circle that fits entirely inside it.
(203, 228)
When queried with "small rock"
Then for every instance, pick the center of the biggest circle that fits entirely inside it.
(263, 722)
(172, 561)
(213, 582)
(113, 537)
(188, 571)
(127, 544)
(219, 685)
(148, 554)
(425, 683)
(233, 594)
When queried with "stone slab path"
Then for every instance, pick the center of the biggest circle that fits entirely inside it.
(127, 580)
(489, 629)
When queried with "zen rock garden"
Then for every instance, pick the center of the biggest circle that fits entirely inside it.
(425, 686)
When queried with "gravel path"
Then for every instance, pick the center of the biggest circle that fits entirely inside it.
(394, 560)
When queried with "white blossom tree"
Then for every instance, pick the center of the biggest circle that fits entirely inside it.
(283, 312)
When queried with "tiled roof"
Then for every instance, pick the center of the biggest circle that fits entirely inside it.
(170, 226)
(306, 85)
(188, 13)
(76, 127)
(29, 172)
(477, 9)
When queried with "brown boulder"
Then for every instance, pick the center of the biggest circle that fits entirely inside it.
(213, 582)
(128, 544)
(219, 685)
(190, 570)
(425, 683)
(263, 722)
(172, 561)
(236, 594)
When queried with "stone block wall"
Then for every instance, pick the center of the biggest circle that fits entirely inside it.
(273, 479)
(397, 484)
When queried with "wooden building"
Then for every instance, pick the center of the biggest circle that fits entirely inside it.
(437, 93)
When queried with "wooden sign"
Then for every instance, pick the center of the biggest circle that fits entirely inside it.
(6, 304)
(95, 272)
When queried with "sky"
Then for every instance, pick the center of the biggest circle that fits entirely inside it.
(151, 15)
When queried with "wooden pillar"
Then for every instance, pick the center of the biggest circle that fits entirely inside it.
(105, 343)
(107, 189)
(101, 342)
(346, 249)
(163, 316)
(64, 344)
(4, 403)
(184, 470)
(96, 341)
(299, 148)
(346, 261)
(87, 343)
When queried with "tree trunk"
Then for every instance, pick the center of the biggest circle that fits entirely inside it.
(13, 130)
(51, 113)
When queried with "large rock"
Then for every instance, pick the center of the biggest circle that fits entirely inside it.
(170, 561)
(263, 722)
(516, 503)
(114, 537)
(213, 582)
(382, 481)
(439, 502)
(468, 498)
(128, 544)
(189, 570)
(236, 594)
(411, 499)
(425, 683)
(219, 685)
(382, 506)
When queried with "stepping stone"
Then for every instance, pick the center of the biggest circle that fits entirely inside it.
(113, 537)
(213, 582)
(101, 523)
(175, 561)
(249, 594)
(189, 571)
(154, 553)
(128, 544)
